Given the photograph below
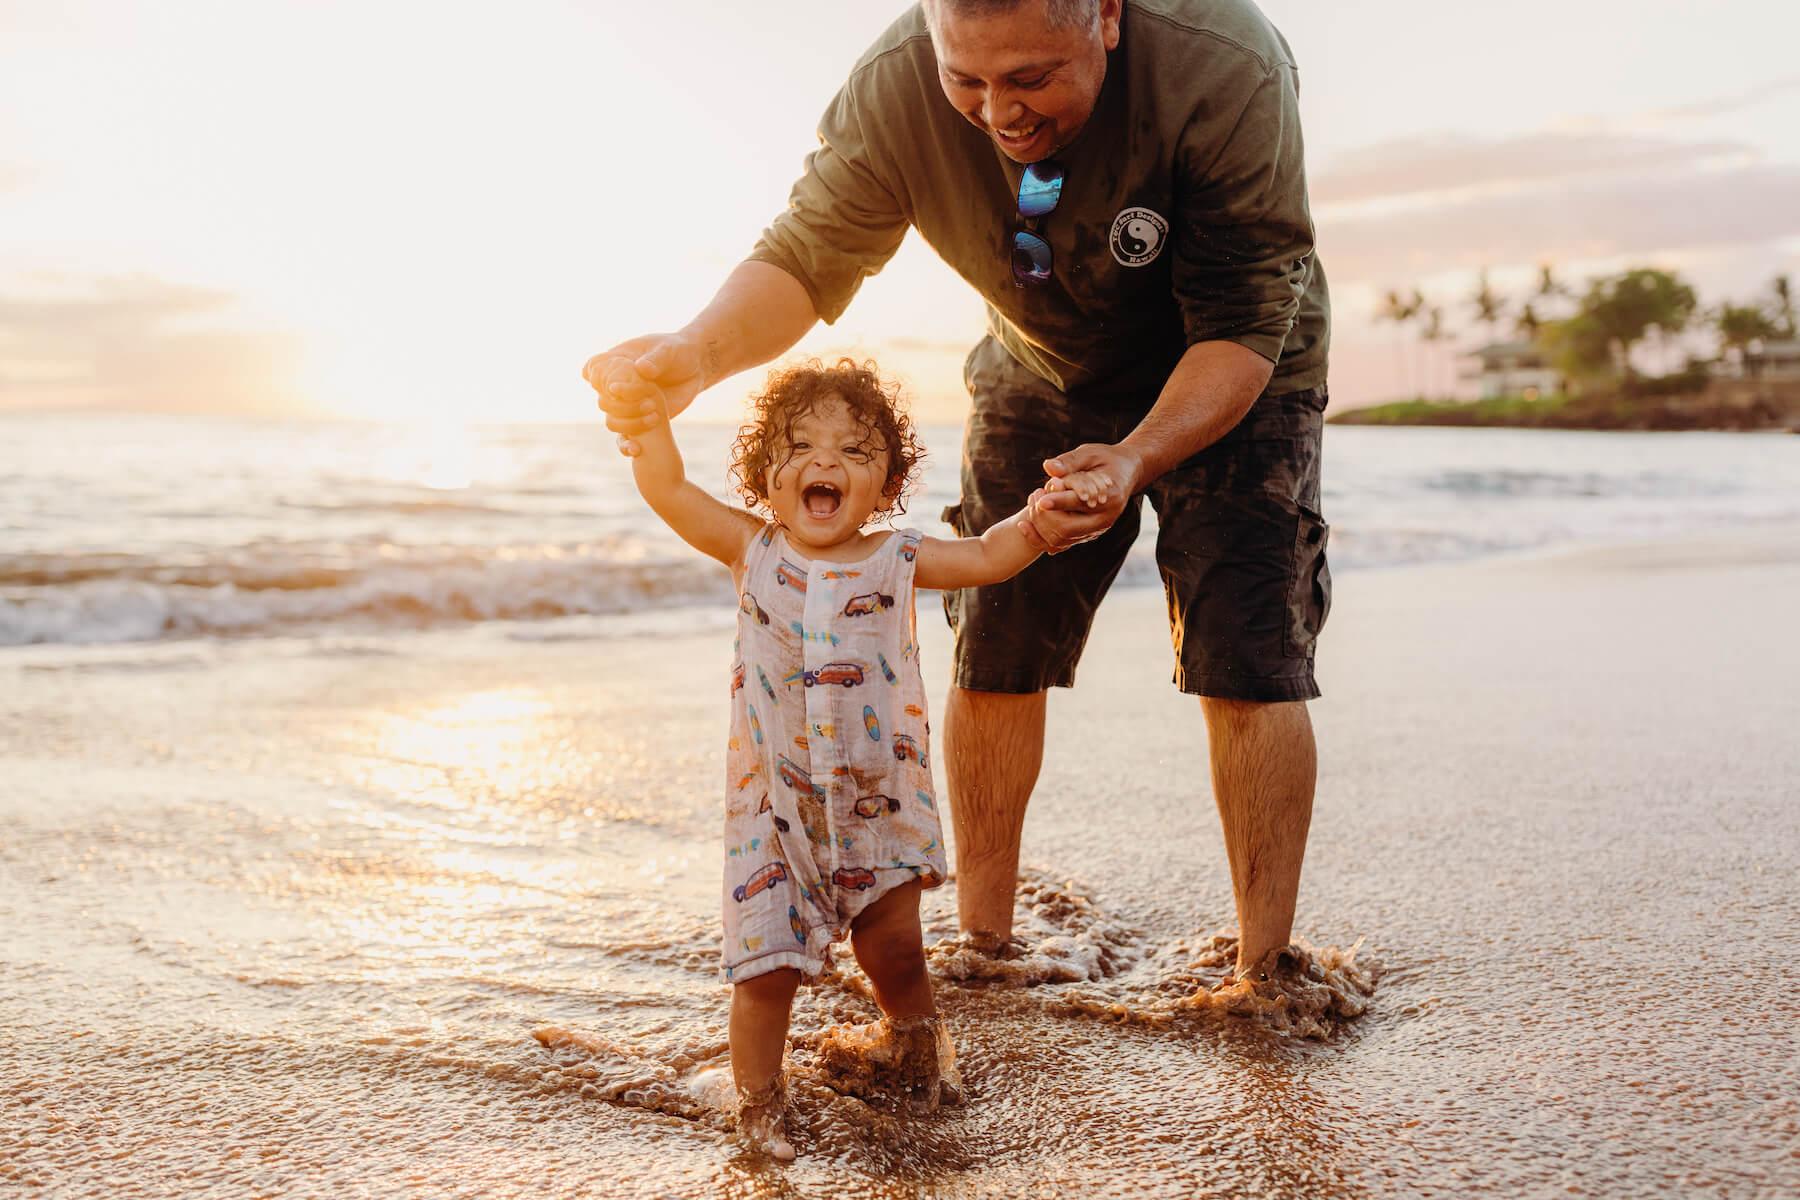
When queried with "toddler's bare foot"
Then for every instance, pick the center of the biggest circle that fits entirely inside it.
(909, 1059)
(762, 1119)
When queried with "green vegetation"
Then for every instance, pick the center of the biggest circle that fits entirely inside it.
(1498, 410)
(1597, 342)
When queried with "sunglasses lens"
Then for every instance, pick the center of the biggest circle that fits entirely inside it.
(1040, 188)
(1030, 259)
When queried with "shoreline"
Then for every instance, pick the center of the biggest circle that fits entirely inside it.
(292, 876)
(1724, 406)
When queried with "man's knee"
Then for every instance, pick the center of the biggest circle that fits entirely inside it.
(1224, 714)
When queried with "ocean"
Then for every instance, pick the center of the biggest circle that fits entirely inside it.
(142, 528)
(359, 836)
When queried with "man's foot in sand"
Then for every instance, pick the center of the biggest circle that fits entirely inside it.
(762, 1120)
(974, 956)
(909, 1059)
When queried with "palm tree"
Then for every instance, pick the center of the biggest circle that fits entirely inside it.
(1394, 309)
(1741, 325)
(1489, 305)
(1433, 333)
(1784, 304)
(1400, 310)
(1548, 285)
(1490, 308)
(1527, 325)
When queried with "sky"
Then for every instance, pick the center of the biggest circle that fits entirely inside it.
(437, 210)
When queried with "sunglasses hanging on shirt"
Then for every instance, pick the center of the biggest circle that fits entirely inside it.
(1039, 190)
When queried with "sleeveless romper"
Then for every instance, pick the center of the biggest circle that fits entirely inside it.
(829, 802)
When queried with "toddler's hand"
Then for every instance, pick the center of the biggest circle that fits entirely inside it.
(1092, 488)
(620, 381)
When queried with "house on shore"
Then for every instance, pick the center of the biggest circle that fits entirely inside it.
(1513, 369)
(1773, 360)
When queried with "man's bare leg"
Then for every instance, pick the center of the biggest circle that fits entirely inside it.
(993, 748)
(1264, 767)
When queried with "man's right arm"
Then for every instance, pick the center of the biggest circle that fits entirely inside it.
(759, 313)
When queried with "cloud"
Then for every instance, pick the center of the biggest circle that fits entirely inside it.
(1722, 106)
(1642, 215)
(141, 343)
(1449, 163)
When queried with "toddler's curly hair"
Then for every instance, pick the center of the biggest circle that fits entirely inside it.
(795, 391)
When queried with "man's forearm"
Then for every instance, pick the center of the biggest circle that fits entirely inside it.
(1207, 394)
(758, 315)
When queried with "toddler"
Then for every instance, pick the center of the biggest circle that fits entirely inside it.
(830, 822)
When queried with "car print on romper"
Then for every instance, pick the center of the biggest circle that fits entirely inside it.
(905, 747)
(867, 604)
(796, 776)
(847, 673)
(766, 807)
(766, 877)
(747, 603)
(787, 574)
(855, 878)
(909, 547)
(874, 806)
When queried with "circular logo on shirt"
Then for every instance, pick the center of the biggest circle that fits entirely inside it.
(1137, 236)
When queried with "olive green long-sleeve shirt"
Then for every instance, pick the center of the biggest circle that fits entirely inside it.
(1183, 216)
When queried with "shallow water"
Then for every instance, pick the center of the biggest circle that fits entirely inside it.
(436, 915)
(144, 528)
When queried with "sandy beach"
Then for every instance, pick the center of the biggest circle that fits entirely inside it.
(333, 916)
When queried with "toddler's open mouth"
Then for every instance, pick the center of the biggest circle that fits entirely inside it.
(821, 500)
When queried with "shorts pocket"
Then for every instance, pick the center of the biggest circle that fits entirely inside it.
(1309, 597)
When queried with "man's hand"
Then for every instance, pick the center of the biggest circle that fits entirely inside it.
(1060, 517)
(637, 380)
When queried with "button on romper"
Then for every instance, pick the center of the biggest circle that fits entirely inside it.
(829, 802)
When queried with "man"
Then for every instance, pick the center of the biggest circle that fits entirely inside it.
(1122, 181)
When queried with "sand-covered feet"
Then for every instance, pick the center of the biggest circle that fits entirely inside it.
(910, 1060)
(762, 1119)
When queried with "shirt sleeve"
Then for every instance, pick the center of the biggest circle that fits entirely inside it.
(843, 221)
(1244, 243)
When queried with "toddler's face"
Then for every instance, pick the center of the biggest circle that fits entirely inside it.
(827, 480)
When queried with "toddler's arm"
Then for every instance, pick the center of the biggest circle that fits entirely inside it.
(702, 521)
(998, 554)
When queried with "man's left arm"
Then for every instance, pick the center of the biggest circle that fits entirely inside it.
(1243, 256)
(1208, 393)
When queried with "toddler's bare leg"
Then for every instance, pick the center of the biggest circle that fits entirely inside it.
(759, 1023)
(890, 948)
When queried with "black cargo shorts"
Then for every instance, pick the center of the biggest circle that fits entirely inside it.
(1240, 547)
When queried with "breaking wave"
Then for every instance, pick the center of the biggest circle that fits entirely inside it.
(282, 589)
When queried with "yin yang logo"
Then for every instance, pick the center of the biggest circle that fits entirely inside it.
(1138, 235)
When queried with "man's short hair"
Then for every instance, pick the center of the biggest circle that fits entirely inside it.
(1060, 14)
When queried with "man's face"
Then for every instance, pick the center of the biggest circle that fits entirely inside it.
(1027, 85)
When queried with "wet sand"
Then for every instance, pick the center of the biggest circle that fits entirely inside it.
(435, 915)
